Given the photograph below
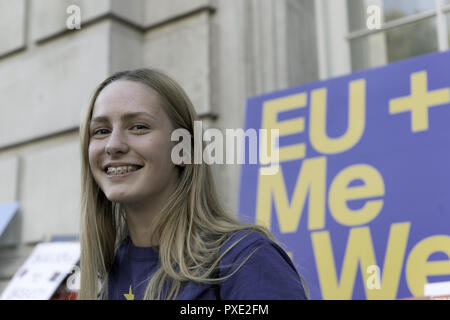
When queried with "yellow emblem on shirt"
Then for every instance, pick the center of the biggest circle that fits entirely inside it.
(129, 295)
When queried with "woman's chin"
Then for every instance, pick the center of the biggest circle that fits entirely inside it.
(118, 197)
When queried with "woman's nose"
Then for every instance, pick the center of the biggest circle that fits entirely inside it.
(116, 144)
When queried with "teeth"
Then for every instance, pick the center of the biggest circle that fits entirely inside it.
(121, 170)
(112, 170)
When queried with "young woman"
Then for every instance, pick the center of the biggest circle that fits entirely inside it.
(152, 229)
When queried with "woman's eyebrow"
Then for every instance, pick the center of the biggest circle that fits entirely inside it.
(124, 117)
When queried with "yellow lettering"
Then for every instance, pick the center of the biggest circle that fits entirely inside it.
(356, 120)
(271, 109)
(340, 193)
(312, 178)
(417, 266)
(360, 251)
(419, 102)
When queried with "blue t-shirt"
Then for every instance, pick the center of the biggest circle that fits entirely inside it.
(268, 274)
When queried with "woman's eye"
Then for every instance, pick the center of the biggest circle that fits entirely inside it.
(100, 131)
(139, 126)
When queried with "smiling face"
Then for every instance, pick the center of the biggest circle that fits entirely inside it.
(130, 130)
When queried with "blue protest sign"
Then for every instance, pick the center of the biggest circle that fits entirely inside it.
(362, 197)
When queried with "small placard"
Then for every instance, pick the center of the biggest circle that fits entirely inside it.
(43, 271)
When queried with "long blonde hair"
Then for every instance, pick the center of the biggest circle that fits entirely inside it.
(191, 228)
